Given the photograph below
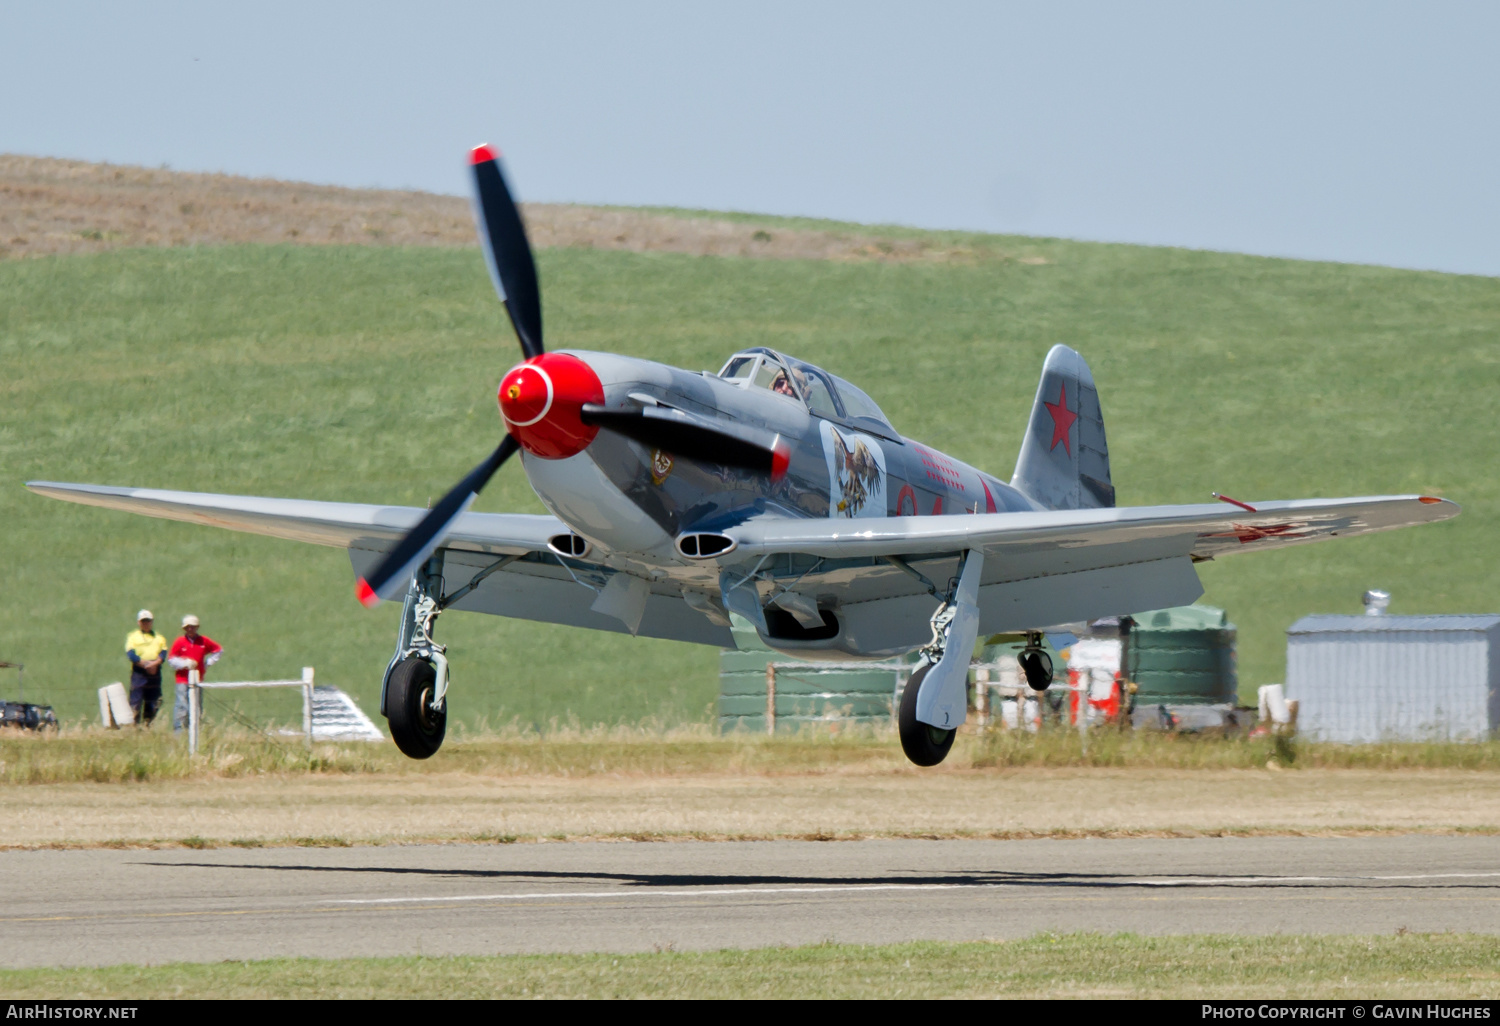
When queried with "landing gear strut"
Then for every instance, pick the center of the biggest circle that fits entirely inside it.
(413, 697)
(416, 681)
(934, 702)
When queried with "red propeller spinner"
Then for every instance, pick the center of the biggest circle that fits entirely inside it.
(542, 402)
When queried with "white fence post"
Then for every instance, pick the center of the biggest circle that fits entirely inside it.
(195, 712)
(307, 697)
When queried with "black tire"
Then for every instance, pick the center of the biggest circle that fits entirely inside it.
(923, 743)
(416, 729)
(1037, 666)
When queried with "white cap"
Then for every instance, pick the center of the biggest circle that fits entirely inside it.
(190, 620)
(144, 614)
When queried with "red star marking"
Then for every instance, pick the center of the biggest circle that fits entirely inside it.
(1062, 420)
(1247, 533)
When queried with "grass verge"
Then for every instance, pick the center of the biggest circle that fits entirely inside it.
(1081, 965)
(129, 756)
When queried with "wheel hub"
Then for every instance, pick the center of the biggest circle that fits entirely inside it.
(426, 714)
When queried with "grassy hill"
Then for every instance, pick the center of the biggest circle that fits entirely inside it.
(368, 374)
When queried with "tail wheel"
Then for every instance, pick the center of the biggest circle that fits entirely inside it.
(1036, 664)
(416, 727)
(923, 743)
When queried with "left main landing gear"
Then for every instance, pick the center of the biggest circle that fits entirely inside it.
(924, 744)
(934, 702)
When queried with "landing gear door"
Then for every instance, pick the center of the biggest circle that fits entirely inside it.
(943, 700)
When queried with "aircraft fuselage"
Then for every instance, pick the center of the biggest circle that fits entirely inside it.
(628, 498)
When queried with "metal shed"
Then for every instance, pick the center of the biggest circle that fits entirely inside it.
(1359, 679)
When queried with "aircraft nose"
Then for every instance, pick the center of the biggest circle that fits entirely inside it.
(542, 399)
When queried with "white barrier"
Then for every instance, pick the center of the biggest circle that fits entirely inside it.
(195, 700)
(1276, 711)
(114, 706)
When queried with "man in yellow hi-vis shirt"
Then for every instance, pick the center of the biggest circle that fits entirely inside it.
(146, 650)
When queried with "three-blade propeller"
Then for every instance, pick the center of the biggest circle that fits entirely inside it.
(513, 271)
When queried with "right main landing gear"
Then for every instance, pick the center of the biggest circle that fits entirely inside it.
(414, 699)
(414, 696)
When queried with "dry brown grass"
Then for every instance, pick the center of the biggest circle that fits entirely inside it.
(89, 787)
(436, 806)
(50, 206)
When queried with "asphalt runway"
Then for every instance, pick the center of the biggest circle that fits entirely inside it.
(96, 907)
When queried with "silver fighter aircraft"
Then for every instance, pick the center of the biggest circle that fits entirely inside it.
(771, 491)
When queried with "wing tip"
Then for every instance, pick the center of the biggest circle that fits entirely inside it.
(1442, 509)
(366, 594)
(67, 490)
(483, 153)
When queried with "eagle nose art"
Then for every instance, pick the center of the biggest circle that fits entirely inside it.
(542, 403)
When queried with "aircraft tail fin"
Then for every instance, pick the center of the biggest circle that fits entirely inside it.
(1064, 461)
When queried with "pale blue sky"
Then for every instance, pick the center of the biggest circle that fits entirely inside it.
(1343, 131)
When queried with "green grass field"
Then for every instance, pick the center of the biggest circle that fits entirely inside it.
(368, 375)
(1078, 965)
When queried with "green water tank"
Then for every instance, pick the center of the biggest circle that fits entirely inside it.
(808, 696)
(1181, 656)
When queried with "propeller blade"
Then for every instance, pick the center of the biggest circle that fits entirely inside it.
(695, 438)
(502, 236)
(422, 541)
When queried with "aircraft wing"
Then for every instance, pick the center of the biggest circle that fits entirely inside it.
(1043, 567)
(1068, 537)
(535, 586)
(340, 524)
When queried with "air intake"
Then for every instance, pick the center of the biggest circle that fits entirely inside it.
(705, 545)
(568, 545)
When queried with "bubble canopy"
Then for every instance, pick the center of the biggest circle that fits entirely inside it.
(824, 394)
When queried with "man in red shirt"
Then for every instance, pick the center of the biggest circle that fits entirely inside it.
(192, 651)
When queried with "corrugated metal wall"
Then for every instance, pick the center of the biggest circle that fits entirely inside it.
(1365, 685)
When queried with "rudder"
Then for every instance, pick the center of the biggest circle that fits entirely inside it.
(1064, 460)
